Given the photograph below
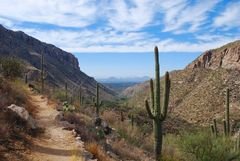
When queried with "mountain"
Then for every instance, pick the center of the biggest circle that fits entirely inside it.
(227, 57)
(198, 92)
(60, 65)
(124, 80)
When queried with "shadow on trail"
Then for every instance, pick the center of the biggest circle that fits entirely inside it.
(58, 152)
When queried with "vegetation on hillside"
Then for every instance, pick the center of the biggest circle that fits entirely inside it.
(122, 129)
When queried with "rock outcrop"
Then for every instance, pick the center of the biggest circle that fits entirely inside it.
(23, 114)
(227, 57)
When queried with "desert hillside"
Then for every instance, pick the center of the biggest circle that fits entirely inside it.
(61, 67)
(198, 92)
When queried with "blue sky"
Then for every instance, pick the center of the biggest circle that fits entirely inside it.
(104, 65)
(182, 29)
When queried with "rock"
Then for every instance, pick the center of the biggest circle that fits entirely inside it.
(59, 107)
(226, 57)
(107, 130)
(78, 138)
(67, 126)
(23, 113)
(74, 133)
(60, 117)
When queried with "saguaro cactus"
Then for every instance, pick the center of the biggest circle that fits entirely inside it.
(42, 73)
(225, 127)
(227, 112)
(80, 97)
(132, 121)
(98, 103)
(66, 91)
(122, 116)
(215, 127)
(26, 79)
(158, 113)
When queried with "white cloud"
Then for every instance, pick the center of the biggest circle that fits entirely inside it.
(185, 17)
(112, 41)
(122, 23)
(125, 17)
(73, 13)
(229, 17)
(6, 22)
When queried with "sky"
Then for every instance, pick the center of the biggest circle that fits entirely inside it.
(117, 37)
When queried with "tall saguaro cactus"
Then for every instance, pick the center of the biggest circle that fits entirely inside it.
(42, 73)
(66, 91)
(227, 112)
(158, 113)
(80, 96)
(98, 103)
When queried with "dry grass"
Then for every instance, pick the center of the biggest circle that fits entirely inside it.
(128, 152)
(111, 117)
(97, 151)
(13, 130)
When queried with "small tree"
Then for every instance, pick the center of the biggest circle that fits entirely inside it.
(11, 67)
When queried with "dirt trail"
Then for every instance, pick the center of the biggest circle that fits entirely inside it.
(55, 144)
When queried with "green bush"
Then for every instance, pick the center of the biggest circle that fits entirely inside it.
(11, 67)
(60, 95)
(202, 146)
(68, 108)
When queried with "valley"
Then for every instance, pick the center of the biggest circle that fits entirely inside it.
(52, 110)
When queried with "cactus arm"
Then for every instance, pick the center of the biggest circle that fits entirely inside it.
(101, 103)
(42, 73)
(215, 127)
(149, 110)
(212, 129)
(166, 96)
(152, 94)
(225, 127)
(97, 94)
(157, 84)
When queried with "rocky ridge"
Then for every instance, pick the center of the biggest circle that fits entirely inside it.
(61, 66)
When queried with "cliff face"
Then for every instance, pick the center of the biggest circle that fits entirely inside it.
(227, 57)
(60, 65)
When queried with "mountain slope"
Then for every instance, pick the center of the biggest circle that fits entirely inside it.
(60, 66)
(198, 92)
(227, 57)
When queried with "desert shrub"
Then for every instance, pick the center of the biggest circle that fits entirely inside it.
(97, 151)
(11, 93)
(202, 146)
(60, 95)
(11, 67)
(68, 108)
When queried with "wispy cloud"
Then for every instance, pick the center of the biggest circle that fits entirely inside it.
(125, 25)
(135, 16)
(112, 41)
(71, 13)
(229, 18)
(184, 17)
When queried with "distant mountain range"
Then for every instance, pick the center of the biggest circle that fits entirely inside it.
(124, 79)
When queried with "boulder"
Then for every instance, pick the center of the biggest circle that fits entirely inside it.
(23, 113)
